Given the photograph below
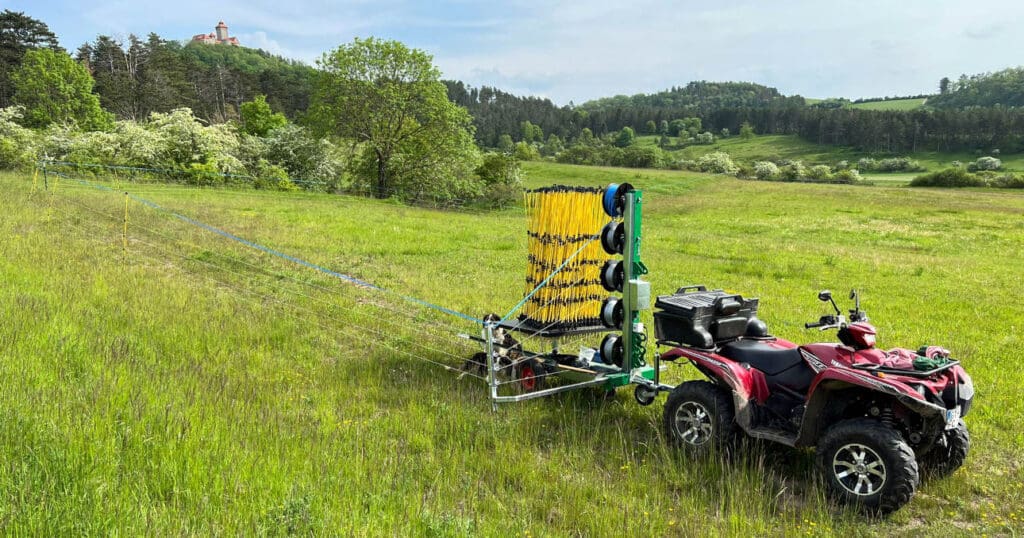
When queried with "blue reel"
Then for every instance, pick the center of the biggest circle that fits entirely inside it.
(614, 200)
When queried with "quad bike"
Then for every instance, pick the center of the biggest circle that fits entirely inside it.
(877, 418)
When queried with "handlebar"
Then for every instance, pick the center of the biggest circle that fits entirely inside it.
(826, 322)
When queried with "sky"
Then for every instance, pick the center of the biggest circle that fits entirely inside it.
(577, 51)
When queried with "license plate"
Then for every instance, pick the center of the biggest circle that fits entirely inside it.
(952, 417)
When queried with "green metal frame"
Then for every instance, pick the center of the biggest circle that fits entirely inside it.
(635, 370)
(633, 337)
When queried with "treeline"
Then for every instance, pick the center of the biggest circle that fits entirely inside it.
(916, 130)
(932, 129)
(1000, 89)
(699, 96)
(136, 77)
(496, 113)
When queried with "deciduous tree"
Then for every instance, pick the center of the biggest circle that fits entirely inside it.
(625, 138)
(390, 99)
(258, 119)
(53, 88)
(18, 34)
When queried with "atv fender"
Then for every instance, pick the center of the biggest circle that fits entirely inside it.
(743, 382)
(832, 390)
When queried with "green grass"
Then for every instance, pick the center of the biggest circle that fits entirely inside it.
(192, 386)
(892, 104)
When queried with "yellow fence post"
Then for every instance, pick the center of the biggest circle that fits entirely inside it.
(124, 231)
(53, 191)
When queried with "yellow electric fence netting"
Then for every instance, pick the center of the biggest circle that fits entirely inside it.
(561, 220)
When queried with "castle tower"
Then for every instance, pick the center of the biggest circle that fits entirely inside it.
(222, 31)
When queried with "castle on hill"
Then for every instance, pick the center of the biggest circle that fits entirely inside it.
(219, 36)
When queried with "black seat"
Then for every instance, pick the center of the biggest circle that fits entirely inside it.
(769, 359)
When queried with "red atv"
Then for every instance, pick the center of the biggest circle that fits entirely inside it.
(877, 418)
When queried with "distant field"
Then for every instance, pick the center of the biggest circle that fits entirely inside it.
(792, 147)
(892, 104)
(193, 386)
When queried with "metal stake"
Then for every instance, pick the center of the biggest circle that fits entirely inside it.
(492, 378)
(124, 231)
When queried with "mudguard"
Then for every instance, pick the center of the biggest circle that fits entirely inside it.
(834, 379)
(746, 383)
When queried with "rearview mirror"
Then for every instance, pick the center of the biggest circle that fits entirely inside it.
(825, 296)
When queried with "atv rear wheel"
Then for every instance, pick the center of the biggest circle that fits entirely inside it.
(942, 460)
(699, 417)
(867, 463)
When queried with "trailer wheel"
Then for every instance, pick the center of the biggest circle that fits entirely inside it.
(699, 417)
(645, 395)
(530, 376)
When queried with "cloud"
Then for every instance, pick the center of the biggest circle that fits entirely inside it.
(259, 40)
(985, 32)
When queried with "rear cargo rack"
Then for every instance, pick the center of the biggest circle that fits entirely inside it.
(696, 317)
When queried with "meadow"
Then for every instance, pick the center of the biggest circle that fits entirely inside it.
(792, 147)
(892, 104)
(188, 384)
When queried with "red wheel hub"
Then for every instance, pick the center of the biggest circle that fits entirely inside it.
(527, 378)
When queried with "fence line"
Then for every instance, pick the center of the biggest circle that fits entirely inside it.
(357, 282)
(257, 246)
(343, 326)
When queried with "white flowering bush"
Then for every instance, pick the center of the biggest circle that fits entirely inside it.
(987, 163)
(819, 172)
(717, 163)
(793, 171)
(18, 145)
(177, 145)
(304, 157)
(849, 176)
(766, 170)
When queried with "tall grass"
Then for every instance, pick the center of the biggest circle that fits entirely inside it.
(192, 386)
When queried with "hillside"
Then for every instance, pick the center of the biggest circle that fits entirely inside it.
(698, 96)
(135, 77)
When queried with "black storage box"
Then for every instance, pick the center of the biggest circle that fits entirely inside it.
(694, 316)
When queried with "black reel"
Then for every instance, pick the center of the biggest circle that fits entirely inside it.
(611, 350)
(613, 275)
(613, 237)
(612, 313)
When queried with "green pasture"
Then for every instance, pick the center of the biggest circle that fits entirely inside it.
(191, 385)
(892, 104)
(792, 147)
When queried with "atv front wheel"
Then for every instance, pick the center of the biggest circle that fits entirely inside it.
(699, 416)
(942, 460)
(867, 463)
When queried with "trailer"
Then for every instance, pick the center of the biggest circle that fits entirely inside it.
(621, 358)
